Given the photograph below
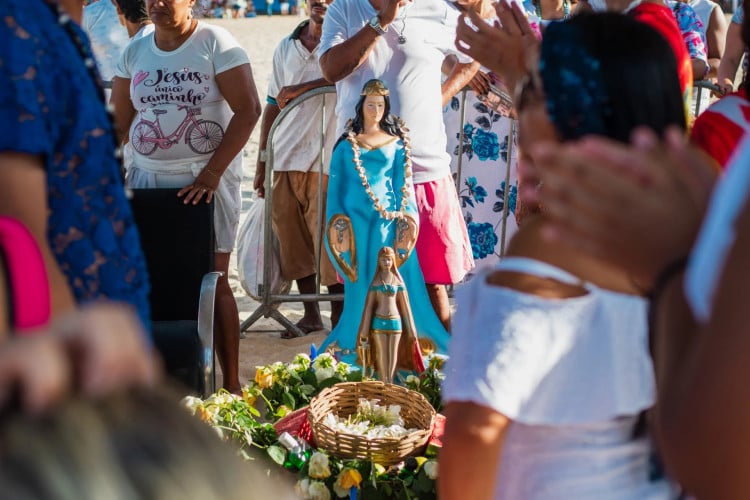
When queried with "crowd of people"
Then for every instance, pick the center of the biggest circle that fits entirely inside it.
(600, 354)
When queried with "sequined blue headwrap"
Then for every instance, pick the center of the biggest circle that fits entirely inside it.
(576, 95)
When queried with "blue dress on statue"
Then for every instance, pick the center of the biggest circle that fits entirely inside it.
(356, 231)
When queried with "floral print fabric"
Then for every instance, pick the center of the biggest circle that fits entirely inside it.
(692, 31)
(487, 183)
(49, 108)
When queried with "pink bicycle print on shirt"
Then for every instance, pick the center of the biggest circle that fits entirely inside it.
(202, 136)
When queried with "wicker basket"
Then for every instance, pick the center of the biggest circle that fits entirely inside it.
(342, 399)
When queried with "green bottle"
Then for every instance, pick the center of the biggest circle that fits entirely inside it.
(297, 453)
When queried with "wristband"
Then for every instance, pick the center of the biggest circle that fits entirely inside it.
(263, 155)
(375, 24)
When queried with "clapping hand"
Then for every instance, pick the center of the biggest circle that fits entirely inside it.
(513, 33)
(389, 10)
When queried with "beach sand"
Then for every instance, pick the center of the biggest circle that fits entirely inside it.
(262, 343)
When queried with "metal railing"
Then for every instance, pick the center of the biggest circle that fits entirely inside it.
(699, 88)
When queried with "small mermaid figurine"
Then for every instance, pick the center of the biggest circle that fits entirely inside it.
(387, 325)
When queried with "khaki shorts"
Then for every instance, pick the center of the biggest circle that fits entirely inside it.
(295, 221)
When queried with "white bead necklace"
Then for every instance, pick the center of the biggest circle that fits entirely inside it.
(385, 214)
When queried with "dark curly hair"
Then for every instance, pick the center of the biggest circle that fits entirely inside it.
(133, 10)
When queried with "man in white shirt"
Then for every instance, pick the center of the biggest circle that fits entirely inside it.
(297, 163)
(404, 43)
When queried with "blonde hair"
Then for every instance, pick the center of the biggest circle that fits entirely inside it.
(139, 445)
(393, 269)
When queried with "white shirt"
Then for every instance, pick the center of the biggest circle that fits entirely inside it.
(175, 94)
(108, 36)
(410, 70)
(296, 145)
(703, 9)
(572, 375)
(145, 30)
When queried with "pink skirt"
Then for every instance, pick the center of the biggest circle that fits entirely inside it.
(443, 246)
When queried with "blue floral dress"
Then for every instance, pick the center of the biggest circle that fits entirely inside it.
(49, 107)
(488, 181)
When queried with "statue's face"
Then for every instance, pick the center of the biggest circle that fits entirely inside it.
(386, 261)
(373, 109)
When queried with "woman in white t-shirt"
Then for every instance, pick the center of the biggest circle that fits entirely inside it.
(549, 370)
(187, 96)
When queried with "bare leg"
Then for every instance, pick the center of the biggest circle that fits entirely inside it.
(227, 327)
(439, 298)
(337, 306)
(386, 359)
(311, 321)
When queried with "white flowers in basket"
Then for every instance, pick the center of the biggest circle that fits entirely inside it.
(372, 421)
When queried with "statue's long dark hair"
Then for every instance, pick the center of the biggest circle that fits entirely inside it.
(390, 123)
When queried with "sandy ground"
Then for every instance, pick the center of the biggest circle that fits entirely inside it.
(262, 344)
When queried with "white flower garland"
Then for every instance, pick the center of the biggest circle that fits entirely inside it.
(385, 214)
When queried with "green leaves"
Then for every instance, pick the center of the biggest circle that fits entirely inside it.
(289, 400)
(277, 454)
(307, 389)
(292, 385)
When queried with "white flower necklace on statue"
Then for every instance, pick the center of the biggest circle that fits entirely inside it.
(385, 214)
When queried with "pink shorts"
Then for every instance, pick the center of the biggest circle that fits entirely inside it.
(443, 246)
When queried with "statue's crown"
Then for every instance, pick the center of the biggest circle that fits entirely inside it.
(375, 87)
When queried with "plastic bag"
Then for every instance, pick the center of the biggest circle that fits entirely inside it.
(250, 254)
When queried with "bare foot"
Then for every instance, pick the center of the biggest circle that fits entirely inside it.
(305, 327)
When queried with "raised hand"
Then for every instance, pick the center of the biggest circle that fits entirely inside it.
(480, 83)
(389, 10)
(513, 33)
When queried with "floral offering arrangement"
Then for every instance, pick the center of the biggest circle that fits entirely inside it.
(282, 388)
(371, 421)
(234, 418)
(285, 387)
(428, 383)
(326, 477)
